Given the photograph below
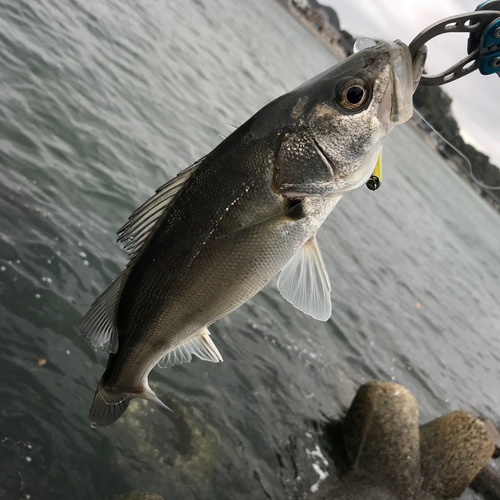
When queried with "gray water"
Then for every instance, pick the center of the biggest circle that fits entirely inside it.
(102, 102)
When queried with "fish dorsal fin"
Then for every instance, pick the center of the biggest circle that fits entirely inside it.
(201, 345)
(141, 223)
(304, 282)
(98, 326)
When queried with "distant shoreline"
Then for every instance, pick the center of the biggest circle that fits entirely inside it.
(330, 40)
(334, 48)
(426, 137)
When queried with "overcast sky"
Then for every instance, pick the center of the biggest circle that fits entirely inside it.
(476, 98)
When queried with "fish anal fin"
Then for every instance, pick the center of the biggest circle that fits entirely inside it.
(201, 345)
(304, 282)
(98, 326)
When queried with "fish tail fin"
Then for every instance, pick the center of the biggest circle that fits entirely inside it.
(108, 405)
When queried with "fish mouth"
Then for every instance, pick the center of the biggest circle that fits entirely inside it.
(418, 64)
(397, 104)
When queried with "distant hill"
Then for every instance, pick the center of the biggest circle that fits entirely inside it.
(432, 102)
(330, 14)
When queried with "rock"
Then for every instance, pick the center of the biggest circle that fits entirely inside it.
(381, 436)
(139, 495)
(453, 449)
(487, 482)
(494, 431)
(391, 458)
(189, 446)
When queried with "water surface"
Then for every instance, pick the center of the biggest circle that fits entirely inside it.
(102, 102)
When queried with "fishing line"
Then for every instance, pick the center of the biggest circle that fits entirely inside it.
(473, 177)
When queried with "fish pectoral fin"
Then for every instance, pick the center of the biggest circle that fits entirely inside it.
(98, 326)
(201, 345)
(304, 282)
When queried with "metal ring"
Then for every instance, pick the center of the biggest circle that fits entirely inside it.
(472, 22)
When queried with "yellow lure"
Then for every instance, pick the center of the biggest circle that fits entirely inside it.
(377, 171)
(376, 178)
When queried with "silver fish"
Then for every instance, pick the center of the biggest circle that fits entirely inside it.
(215, 235)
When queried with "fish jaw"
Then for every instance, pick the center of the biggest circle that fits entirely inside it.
(402, 78)
(418, 66)
(396, 106)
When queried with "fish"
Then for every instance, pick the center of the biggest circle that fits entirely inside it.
(215, 235)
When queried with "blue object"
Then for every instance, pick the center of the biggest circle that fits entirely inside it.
(489, 62)
(481, 5)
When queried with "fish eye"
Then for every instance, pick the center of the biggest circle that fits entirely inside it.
(353, 95)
